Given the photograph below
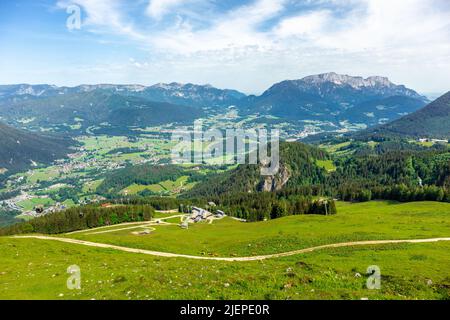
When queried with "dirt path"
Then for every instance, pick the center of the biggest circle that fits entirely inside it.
(171, 217)
(122, 229)
(254, 258)
(113, 228)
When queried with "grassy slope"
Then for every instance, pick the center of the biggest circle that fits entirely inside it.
(37, 270)
(33, 269)
(354, 222)
(164, 186)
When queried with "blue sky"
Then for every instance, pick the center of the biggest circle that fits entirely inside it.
(246, 45)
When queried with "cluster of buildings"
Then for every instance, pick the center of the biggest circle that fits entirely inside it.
(12, 204)
(79, 165)
(200, 214)
(423, 140)
(39, 210)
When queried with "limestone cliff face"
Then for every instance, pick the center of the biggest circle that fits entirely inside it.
(276, 182)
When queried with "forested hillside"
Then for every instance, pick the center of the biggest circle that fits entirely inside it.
(379, 176)
(297, 167)
(20, 149)
(386, 172)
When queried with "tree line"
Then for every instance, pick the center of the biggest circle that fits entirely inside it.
(272, 205)
(81, 218)
(401, 193)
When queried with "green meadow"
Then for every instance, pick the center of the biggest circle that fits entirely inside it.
(170, 187)
(29, 204)
(328, 165)
(377, 220)
(36, 269)
(33, 269)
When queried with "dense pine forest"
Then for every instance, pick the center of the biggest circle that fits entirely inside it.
(81, 218)
(390, 170)
(270, 205)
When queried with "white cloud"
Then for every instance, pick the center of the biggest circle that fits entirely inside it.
(373, 24)
(264, 41)
(158, 8)
(234, 29)
(309, 25)
(369, 24)
(105, 16)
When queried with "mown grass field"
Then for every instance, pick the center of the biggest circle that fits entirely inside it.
(36, 269)
(327, 165)
(167, 186)
(334, 148)
(45, 174)
(29, 204)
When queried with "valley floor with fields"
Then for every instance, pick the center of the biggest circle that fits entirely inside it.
(296, 257)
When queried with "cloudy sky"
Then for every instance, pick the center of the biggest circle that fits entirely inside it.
(242, 44)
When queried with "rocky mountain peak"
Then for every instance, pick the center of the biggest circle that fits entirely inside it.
(355, 82)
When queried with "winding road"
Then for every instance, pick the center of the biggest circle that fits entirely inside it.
(254, 258)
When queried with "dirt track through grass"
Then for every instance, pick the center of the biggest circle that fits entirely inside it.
(235, 259)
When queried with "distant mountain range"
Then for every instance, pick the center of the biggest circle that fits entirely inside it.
(192, 95)
(85, 107)
(336, 98)
(21, 149)
(433, 121)
(174, 93)
(329, 98)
